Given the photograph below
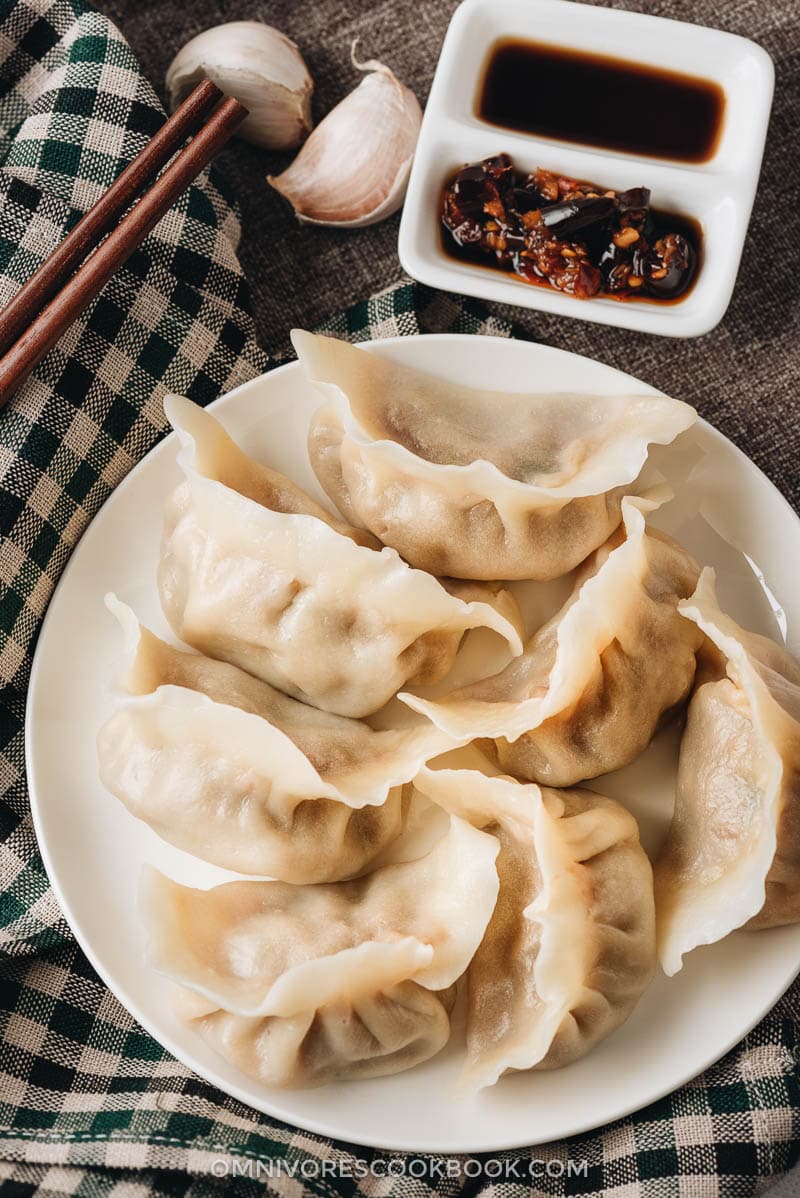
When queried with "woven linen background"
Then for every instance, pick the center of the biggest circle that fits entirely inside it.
(92, 1105)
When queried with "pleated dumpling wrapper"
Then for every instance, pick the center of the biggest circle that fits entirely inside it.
(254, 572)
(470, 483)
(732, 855)
(595, 682)
(570, 947)
(302, 985)
(224, 766)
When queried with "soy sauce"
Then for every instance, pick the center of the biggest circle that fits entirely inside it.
(596, 100)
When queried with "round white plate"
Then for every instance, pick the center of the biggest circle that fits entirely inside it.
(93, 849)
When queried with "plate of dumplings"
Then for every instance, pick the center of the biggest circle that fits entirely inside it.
(414, 742)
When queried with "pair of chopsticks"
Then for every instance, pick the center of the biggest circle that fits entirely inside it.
(45, 307)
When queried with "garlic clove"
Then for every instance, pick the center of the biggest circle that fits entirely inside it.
(258, 65)
(354, 168)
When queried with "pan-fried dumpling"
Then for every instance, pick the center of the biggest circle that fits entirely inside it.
(570, 947)
(593, 684)
(225, 767)
(476, 484)
(301, 985)
(732, 856)
(253, 573)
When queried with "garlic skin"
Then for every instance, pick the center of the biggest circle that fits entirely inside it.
(354, 168)
(261, 68)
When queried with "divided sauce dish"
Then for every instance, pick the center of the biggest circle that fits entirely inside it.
(718, 193)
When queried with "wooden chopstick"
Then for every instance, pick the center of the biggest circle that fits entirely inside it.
(92, 228)
(46, 328)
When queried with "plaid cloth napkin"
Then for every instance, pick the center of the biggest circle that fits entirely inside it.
(89, 1104)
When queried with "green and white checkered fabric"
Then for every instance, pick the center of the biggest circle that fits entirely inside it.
(89, 1104)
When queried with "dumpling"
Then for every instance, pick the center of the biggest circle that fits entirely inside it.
(595, 682)
(570, 947)
(732, 855)
(301, 985)
(254, 573)
(476, 484)
(225, 767)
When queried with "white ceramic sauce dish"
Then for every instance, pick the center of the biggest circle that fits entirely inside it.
(718, 193)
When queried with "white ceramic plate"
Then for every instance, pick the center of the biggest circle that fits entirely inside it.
(93, 849)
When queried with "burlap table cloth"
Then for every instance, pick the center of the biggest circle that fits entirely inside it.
(89, 1104)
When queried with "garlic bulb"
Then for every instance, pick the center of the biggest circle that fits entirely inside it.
(258, 65)
(354, 168)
